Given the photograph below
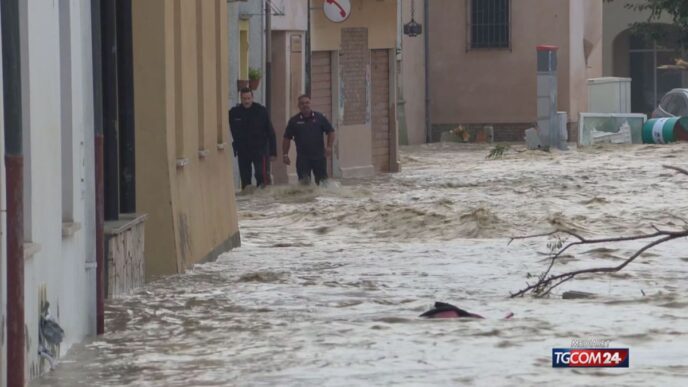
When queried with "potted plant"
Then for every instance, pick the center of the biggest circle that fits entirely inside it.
(254, 75)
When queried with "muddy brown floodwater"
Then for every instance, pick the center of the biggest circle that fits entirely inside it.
(328, 283)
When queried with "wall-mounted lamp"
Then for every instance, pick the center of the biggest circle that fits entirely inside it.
(413, 28)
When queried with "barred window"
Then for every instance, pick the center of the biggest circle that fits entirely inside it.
(489, 23)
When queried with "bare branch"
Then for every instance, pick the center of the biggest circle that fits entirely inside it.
(533, 236)
(684, 220)
(677, 169)
(547, 282)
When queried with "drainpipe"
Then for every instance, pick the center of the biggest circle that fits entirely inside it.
(14, 167)
(125, 93)
(308, 49)
(268, 55)
(426, 54)
(108, 20)
(100, 187)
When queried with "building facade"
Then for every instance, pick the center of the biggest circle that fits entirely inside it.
(59, 178)
(631, 55)
(348, 68)
(411, 62)
(485, 74)
(354, 83)
(289, 24)
(82, 97)
(184, 155)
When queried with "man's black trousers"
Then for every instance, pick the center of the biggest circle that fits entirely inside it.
(260, 164)
(304, 167)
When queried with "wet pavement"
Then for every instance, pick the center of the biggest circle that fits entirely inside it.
(328, 283)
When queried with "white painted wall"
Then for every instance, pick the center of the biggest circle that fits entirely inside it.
(81, 248)
(60, 266)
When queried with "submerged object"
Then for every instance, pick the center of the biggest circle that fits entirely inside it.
(444, 310)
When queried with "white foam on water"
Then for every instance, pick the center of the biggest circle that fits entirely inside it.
(329, 281)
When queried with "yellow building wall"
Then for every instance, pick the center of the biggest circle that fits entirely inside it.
(183, 169)
(243, 49)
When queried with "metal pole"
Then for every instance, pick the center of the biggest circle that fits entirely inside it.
(426, 54)
(100, 187)
(108, 20)
(268, 55)
(125, 88)
(14, 167)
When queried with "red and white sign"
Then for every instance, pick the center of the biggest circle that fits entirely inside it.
(337, 10)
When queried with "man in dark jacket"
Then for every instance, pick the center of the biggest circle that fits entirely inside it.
(307, 129)
(254, 139)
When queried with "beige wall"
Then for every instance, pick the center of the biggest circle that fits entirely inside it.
(355, 151)
(379, 16)
(413, 76)
(585, 60)
(499, 86)
(183, 169)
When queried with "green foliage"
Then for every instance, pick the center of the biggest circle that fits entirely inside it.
(498, 151)
(676, 9)
(254, 73)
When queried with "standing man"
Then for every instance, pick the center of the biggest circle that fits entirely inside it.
(254, 139)
(307, 129)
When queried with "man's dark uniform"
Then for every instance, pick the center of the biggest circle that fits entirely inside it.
(307, 133)
(254, 142)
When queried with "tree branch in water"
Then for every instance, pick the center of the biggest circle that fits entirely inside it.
(546, 282)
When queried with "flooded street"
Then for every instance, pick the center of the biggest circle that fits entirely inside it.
(328, 283)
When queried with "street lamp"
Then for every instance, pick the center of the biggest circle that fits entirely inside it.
(413, 28)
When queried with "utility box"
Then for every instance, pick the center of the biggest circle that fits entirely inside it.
(548, 122)
(609, 95)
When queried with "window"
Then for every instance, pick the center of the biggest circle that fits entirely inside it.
(489, 23)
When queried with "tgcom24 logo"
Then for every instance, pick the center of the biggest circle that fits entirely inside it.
(591, 353)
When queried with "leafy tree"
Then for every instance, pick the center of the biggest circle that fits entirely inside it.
(676, 9)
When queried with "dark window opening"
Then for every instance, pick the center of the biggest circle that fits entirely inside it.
(490, 23)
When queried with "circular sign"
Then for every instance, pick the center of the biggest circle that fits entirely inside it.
(337, 10)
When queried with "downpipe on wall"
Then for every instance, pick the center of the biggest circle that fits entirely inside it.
(99, 168)
(426, 55)
(14, 167)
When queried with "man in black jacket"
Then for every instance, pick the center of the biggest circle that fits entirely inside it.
(254, 139)
(307, 129)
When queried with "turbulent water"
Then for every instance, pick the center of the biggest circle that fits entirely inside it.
(328, 283)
